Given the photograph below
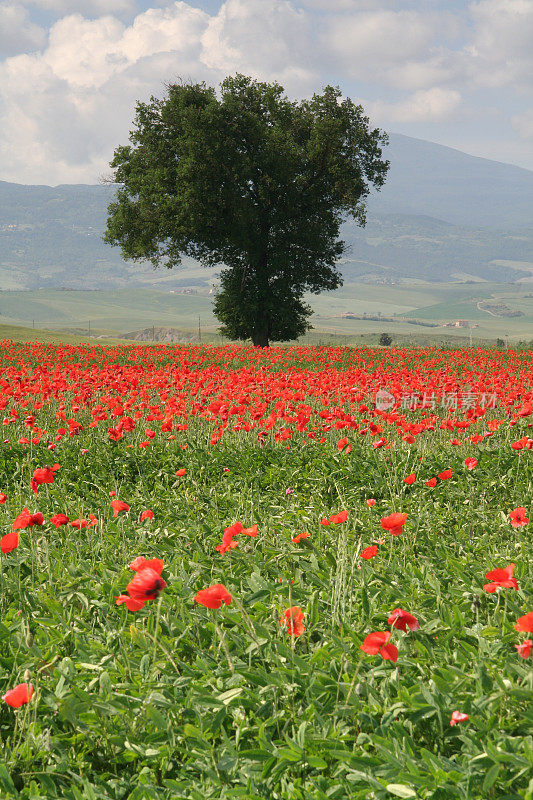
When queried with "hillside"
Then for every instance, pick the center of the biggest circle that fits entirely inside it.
(442, 215)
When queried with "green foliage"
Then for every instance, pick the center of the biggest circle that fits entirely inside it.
(252, 181)
(385, 339)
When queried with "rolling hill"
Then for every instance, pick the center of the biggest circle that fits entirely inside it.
(442, 216)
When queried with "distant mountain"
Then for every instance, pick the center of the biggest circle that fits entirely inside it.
(428, 178)
(441, 214)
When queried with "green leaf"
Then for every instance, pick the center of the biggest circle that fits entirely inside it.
(400, 790)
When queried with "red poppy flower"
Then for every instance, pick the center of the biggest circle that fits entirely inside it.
(27, 520)
(118, 506)
(501, 579)
(402, 620)
(44, 475)
(59, 519)
(394, 523)
(131, 603)
(370, 502)
(335, 519)
(19, 695)
(180, 473)
(524, 649)
(344, 445)
(293, 620)
(9, 542)
(445, 475)
(148, 514)
(140, 563)
(146, 585)
(369, 552)
(250, 531)
(471, 463)
(377, 642)
(431, 482)
(458, 717)
(3, 498)
(300, 536)
(410, 479)
(518, 517)
(213, 596)
(525, 623)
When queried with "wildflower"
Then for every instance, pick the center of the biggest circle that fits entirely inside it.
(293, 620)
(410, 479)
(44, 475)
(471, 463)
(147, 584)
(27, 520)
(213, 596)
(431, 482)
(402, 620)
(445, 475)
(147, 514)
(501, 579)
(370, 502)
(524, 649)
(525, 623)
(518, 517)
(458, 717)
(394, 523)
(19, 695)
(3, 498)
(59, 519)
(118, 506)
(9, 542)
(377, 642)
(131, 603)
(344, 446)
(180, 473)
(300, 536)
(335, 519)
(369, 552)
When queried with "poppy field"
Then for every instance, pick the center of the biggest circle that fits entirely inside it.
(284, 574)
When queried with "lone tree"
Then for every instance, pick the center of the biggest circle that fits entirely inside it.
(251, 181)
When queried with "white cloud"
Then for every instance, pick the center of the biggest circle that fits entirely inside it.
(88, 7)
(17, 33)
(501, 50)
(523, 124)
(425, 105)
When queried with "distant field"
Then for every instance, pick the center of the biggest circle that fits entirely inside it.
(394, 307)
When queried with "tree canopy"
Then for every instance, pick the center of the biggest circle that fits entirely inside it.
(251, 181)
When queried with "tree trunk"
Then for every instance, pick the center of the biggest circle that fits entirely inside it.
(260, 337)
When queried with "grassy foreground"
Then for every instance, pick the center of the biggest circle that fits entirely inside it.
(177, 700)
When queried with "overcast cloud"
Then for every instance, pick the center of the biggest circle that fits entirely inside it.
(71, 71)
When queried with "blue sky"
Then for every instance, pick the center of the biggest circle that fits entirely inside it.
(457, 73)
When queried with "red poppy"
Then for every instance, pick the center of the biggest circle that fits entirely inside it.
(19, 695)
(335, 519)
(410, 479)
(377, 642)
(131, 603)
(471, 463)
(518, 517)
(213, 596)
(27, 520)
(458, 717)
(370, 502)
(344, 445)
(394, 523)
(524, 649)
(180, 473)
(250, 531)
(445, 475)
(9, 542)
(293, 620)
(59, 519)
(148, 514)
(501, 579)
(146, 585)
(300, 536)
(140, 563)
(3, 498)
(431, 482)
(369, 552)
(228, 536)
(44, 475)
(525, 623)
(118, 506)
(402, 620)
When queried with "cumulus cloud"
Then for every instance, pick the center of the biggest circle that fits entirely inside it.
(501, 51)
(88, 7)
(425, 105)
(17, 33)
